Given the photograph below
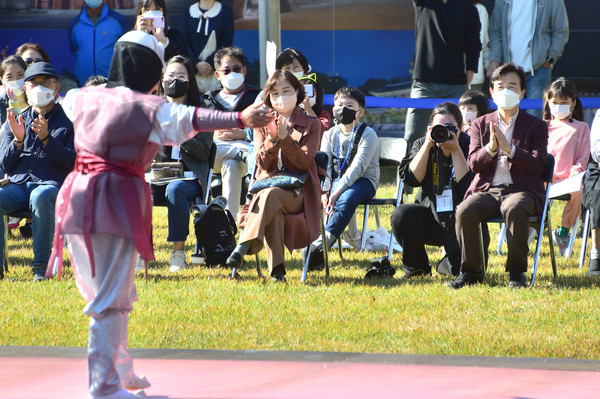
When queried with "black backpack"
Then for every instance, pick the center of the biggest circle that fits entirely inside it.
(215, 231)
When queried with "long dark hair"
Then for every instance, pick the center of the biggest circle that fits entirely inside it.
(562, 88)
(193, 95)
(159, 4)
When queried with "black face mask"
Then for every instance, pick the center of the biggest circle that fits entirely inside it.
(176, 88)
(344, 115)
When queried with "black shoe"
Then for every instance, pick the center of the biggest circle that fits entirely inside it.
(594, 267)
(466, 278)
(26, 231)
(234, 260)
(517, 280)
(317, 259)
(39, 273)
(410, 274)
(278, 274)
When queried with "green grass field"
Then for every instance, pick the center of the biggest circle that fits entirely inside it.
(201, 308)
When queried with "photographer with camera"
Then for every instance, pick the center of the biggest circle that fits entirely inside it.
(437, 163)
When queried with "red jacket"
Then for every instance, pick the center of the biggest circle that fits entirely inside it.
(530, 137)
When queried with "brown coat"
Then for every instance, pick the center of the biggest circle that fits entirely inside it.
(299, 150)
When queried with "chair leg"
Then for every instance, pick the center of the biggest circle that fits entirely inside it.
(584, 239)
(258, 272)
(326, 247)
(5, 249)
(376, 209)
(572, 238)
(551, 243)
(483, 263)
(363, 238)
(501, 237)
(340, 249)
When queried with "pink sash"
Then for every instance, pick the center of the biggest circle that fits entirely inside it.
(94, 165)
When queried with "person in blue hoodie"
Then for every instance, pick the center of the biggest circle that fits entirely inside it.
(92, 36)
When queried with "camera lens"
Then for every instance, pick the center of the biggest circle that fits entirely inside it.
(440, 134)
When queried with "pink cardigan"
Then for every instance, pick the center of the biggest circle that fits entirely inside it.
(569, 142)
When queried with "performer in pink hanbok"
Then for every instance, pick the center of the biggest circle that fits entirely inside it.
(104, 208)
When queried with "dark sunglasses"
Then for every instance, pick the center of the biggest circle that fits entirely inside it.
(30, 61)
(227, 71)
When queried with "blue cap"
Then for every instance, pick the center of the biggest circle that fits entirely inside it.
(40, 69)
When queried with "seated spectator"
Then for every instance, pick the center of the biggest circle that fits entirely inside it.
(472, 105)
(591, 197)
(232, 145)
(31, 53)
(430, 220)
(37, 152)
(175, 87)
(508, 156)
(569, 142)
(207, 26)
(294, 61)
(93, 51)
(353, 151)
(12, 71)
(171, 38)
(289, 143)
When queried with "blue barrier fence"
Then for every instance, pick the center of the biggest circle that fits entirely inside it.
(430, 103)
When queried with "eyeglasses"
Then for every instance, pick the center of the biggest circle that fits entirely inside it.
(227, 71)
(30, 61)
(179, 76)
(48, 84)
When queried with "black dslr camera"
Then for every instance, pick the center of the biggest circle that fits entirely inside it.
(441, 133)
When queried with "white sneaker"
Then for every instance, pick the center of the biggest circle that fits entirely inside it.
(139, 263)
(133, 382)
(121, 394)
(177, 261)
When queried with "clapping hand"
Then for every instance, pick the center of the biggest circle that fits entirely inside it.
(17, 127)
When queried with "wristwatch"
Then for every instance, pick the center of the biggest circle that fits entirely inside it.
(550, 60)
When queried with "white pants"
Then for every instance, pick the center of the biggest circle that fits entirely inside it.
(232, 171)
(110, 296)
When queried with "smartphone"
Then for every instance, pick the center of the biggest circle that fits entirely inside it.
(309, 90)
(157, 18)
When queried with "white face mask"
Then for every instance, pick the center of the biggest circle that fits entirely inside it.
(506, 99)
(469, 116)
(298, 75)
(560, 111)
(93, 3)
(312, 101)
(16, 86)
(232, 81)
(284, 104)
(40, 96)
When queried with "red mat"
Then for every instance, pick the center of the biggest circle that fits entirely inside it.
(66, 378)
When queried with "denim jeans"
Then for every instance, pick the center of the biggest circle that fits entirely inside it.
(178, 194)
(40, 200)
(362, 190)
(417, 119)
(536, 85)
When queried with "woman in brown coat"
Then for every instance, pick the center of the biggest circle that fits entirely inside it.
(276, 216)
